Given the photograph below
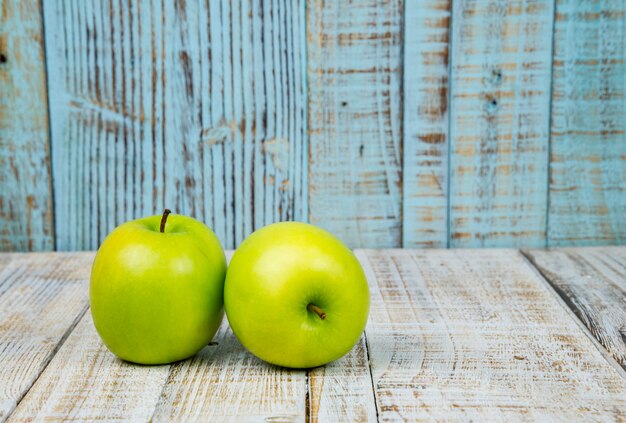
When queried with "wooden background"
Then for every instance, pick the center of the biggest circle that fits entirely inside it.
(399, 123)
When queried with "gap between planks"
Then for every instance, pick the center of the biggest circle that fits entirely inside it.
(594, 302)
(40, 300)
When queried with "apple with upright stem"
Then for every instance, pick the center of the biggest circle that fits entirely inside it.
(296, 296)
(156, 291)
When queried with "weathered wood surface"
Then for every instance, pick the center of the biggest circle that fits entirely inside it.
(85, 382)
(452, 335)
(588, 149)
(42, 296)
(223, 382)
(426, 123)
(342, 390)
(226, 383)
(592, 281)
(194, 106)
(354, 87)
(26, 222)
(500, 117)
(478, 335)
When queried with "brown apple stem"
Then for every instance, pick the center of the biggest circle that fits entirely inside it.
(166, 213)
(315, 309)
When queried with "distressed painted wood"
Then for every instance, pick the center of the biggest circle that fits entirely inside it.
(42, 296)
(26, 222)
(207, 108)
(592, 281)
(85, 382)
(499, 133)
(479, 335)
(453, 335)
(354, 106)
(425, 123)
(588, 150)
(342, 390)
(224, 382)
(155, 104)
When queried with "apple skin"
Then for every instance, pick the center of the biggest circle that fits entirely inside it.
(272, 278)
(158, 297)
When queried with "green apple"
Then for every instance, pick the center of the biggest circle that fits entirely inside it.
(157, 287)
(296, 296)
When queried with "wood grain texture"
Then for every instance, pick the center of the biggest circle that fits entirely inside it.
(85, 382)
(42, 296)
(588, 150)
(355, 156)
(224, 382)
(425, 123)
(195, 106)
(26, 222)
(499, 133)
(343, 390)
(478, 335)
(592, 281)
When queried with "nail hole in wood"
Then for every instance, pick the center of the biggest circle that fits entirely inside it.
(491, 104)
(3, 58)
(344, 103)
(497, 75)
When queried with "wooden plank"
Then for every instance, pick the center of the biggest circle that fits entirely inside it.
(588, 149)
(224, 382)
(42, 296)
(425, 123)
(197, 106)
(26, 222)
(343, 390)
(499, 134)
(478, 335)
(355, 159)
(85, 382)
(592, 281)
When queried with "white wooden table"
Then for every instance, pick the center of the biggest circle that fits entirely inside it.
(453, 335)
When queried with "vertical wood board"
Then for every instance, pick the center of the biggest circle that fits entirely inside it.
(499, 134)
(425, 123)
(588, 150)
(26, 215)
(355, 154)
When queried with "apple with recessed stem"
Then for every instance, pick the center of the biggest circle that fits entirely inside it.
(156, 291)
(296, 296)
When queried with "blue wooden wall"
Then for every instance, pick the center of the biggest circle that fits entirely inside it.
(397, 123)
